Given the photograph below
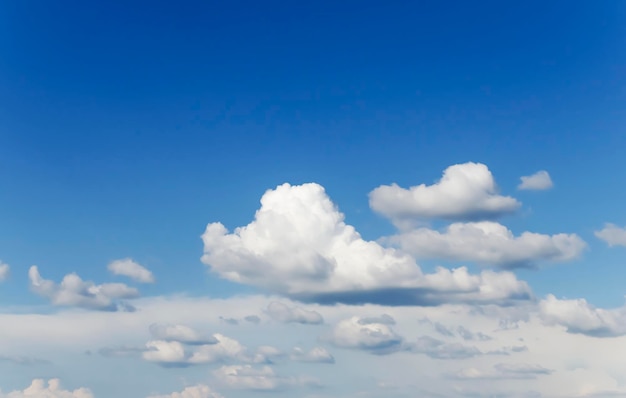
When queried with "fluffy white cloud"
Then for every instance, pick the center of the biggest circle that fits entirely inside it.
(578, 316)
(283, 313)
(262, 378)
(358, 333)
(4, 271)
(465, 192)
(52, 389)
(316, 354)
(612, 234)
(197, 391)
(489, 243)
(299, 245)
(539, 181)
(181, 333)
(128, 267)
(73, 291)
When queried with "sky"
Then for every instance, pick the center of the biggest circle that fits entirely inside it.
(312, 199)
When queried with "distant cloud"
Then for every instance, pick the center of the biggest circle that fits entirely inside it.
(180, 333)
(246, 377)
(299, 246)
(438, 349)
(580, 317)
(465, 192)
(128, 267)
(612, 235)
(315, 355)
(51, 389)
(4, 271)
(230, 321)
(502, 371)
(197, 391)
(490, 243)
(540, 181)
(252, 319)
(22, 360)
(74, 292)
(376, 338)
(283, 313)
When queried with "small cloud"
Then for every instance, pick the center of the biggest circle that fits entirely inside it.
(315, 355)
(246, 377)
(230, 321)
(180, 333)
(376, 338)
(252, 319)
(612, 235)
(128, 267)
(4, 271)
(540, 181)
(285, 314)
(74, 292)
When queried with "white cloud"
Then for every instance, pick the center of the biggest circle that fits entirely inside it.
(612, 234)
(263, 378)
(540, 181)
(4, 271)
(283, 313)
(377, 338)
(128, 267)
(465, 192)
(197, 391)
(316, 354)
(578, 316)
(52, 389)
(502, 371)
(490, 243)
(439, 349)
(73, 291)
(299, 245)
(180, 333)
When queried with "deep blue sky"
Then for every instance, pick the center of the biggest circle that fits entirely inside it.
(125, 127)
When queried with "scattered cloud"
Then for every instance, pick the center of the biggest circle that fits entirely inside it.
(578, 316)
(135, 271)
(180, 333)
(502, 371)
(612, 235)
(540, 181)
(376, 338)
(439, 349)
(299, 246)
(465, 192)
(4, 271)
(490, 243)
(246, 377)
(51, 389)
(283, 313)
(316, 355)
(74, 292)
(197, 391)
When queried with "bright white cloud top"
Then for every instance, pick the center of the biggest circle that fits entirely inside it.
(300, 246)
(540, 181)
(128, 267)
(466, 191)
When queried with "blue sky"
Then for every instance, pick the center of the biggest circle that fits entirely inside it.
(127, 128)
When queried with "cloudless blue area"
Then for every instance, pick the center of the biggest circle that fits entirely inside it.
(125, 127)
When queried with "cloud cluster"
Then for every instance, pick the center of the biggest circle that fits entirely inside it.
(612, 235)
(465, 192)
(52, 389)
(299, 245)
(197, 391)
(129, 268)
(74, 292)
(578, 316)
(369, 335)
(489, 243)
(540, 181)
(247, 377)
